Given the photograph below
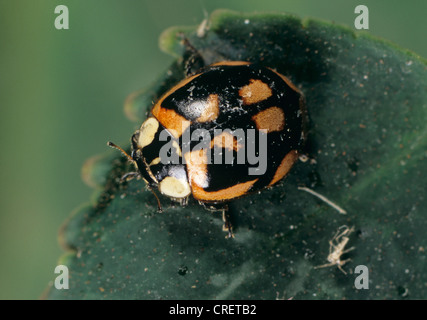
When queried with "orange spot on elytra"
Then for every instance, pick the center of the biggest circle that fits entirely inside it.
(255, 91)
(227, 141)
(231, 63)
(284, 166)
(271, 119)
(224, 194)
(197, 167)
(175, 123)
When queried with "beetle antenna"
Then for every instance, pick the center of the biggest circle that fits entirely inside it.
(112, 145)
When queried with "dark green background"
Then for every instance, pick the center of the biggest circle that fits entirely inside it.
(62, 92)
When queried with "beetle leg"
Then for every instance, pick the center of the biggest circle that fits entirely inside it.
(183, 202)
(159, 205)
(130, 175)
(223, 208)
(227, 224)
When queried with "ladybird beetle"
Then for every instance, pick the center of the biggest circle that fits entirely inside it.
(232, 129)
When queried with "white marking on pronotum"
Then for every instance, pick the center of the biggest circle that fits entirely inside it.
(147, 132)
(324, 199)
(174, 187)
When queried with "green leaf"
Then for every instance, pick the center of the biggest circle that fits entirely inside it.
(367, 149)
